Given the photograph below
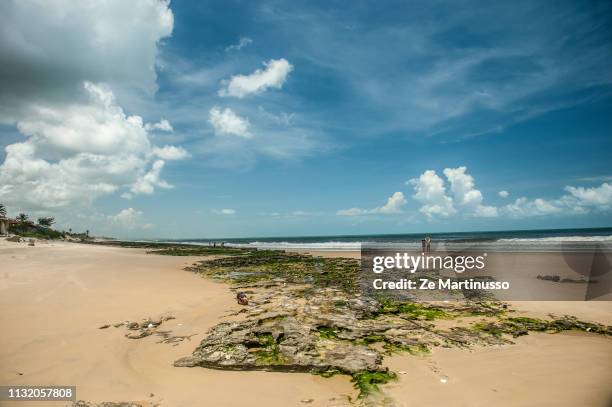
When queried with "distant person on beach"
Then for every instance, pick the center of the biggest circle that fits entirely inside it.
(423, 245)
(428, 244)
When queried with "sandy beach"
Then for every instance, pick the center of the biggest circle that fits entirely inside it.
(55, 296)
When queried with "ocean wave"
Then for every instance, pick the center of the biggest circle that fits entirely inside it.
(323, 246)
(557, 239)
(515, 243)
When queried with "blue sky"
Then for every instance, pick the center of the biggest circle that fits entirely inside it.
(309, 118)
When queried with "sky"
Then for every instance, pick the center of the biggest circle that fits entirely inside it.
(196, 119)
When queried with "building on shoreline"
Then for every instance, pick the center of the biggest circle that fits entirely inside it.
(4, 226)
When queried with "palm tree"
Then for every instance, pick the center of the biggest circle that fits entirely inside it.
(46, 221)
(2, 211)
(22, 218)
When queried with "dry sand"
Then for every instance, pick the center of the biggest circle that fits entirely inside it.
(540, 370)
(53, 298)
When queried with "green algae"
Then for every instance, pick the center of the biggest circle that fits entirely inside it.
(412, 310)
(368, 382)
(270, 354)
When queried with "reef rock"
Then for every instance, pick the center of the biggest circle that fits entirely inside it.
(279, 343)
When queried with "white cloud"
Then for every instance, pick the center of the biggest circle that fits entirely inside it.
(226, 122)
(97, 127)
(524, 207)
(596, 197)
(485, 211)
(273, 76)
(48, 48)
(130, 219)
(429, 189)
(77, 152)
(171, 153)
(224, 211)
(243, 42)
(162, 125)
(465, 195)
(580, 200)
(146, 184)
(394, 205)
(462, 187)
(60, 61)
(461, 197)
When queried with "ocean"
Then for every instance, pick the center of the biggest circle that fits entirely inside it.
(540, 239)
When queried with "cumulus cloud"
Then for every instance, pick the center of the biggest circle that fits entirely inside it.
(171, 153)
(224, 211)
(596, 197)
(429, 189)
(243, 42)
(129, 219)
(524, 207)
(578, 200)
(146, 184)
(394, 205)
(63, 63)
(226, 122)
(273, 76)
(457, 195)
(465, 195)
(162, 125)
(49, 48)
(77, 152)
(460, 197)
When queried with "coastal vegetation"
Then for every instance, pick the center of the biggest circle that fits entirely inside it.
(23, 226)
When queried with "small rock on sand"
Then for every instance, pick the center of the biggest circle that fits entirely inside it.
(242, 298)
(138, 335)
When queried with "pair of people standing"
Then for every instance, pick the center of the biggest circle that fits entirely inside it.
(426, 244)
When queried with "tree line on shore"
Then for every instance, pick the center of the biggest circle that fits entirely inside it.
(22, 225)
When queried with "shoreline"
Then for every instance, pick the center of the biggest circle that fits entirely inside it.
(56, 295)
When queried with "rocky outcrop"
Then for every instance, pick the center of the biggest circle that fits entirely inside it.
(306, 314)
(280, 343)
(324, 331)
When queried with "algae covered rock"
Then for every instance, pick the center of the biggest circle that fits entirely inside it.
(278, 343)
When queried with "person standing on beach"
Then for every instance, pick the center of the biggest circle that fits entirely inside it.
(428, 244)
(423, 246)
